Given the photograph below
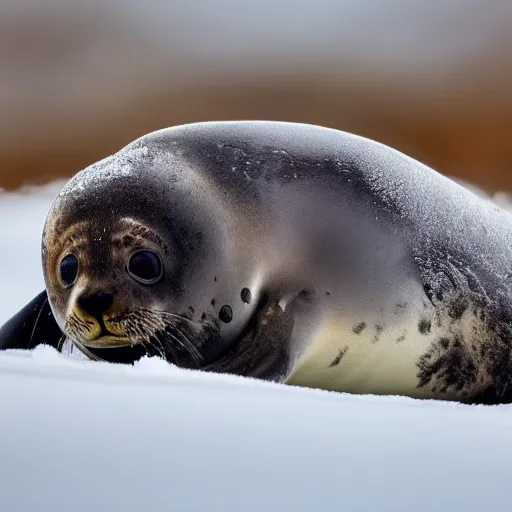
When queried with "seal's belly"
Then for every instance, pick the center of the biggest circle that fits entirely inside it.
(364, 357)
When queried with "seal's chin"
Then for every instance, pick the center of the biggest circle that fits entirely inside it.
(108, 341)
(115, 349)
(121, 354)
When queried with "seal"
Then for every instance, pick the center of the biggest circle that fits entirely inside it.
(285, 252)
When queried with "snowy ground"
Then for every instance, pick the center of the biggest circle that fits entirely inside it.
(83, 436)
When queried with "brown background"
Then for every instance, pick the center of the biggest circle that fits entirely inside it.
(80, 83)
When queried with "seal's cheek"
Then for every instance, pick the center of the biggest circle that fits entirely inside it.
(58, 300)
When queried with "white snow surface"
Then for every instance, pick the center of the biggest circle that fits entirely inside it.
(83, 436)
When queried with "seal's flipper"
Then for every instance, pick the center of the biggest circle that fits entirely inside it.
(31, 326)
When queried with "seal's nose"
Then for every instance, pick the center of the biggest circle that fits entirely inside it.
(95, 304)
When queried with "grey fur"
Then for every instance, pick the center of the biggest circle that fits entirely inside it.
(337, 238)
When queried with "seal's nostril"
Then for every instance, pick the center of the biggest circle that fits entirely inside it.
(96, 303)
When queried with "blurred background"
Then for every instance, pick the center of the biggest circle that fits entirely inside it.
(81, 79)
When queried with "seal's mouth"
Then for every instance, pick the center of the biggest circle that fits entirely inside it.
(107, 339)
(110, 348)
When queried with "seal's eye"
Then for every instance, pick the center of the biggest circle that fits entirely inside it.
(145, 266)
(68, 269)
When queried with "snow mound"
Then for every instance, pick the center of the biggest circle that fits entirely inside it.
(87, 436)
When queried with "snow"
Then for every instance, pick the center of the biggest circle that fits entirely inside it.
(82, 436)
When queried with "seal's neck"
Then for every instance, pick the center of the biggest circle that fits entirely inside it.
(263, 349)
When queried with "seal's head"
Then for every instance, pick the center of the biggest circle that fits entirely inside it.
(135, 253)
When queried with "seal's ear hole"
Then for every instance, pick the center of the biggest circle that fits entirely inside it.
(145, 266)
(68, 270)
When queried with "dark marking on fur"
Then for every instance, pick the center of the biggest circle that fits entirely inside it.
(307, 295)
(137, 234)
(359, 328)
(400, 306)
(245, 295)
(341, 354)
(449, 364)
(212, 302)
(378, 329)
(457, 307)
(424, 326)
(226, 314)
(400, 338)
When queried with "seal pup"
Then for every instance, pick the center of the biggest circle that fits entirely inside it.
(285, 252)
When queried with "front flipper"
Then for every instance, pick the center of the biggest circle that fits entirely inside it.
(31, 326)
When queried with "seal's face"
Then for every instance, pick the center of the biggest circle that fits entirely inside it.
(138, 250)
(110, 287)
(132, 256)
